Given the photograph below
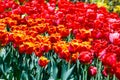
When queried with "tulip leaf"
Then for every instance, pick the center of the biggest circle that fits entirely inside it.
(31, 77)
(7, 56)
(2, 52)
(1, 68)
(54, 70)
(24, 76)
(67, 74)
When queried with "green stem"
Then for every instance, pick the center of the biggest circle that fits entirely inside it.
(108, 77)
(41, 76)
(92, 78)
(69, 65)
(83, 75)
(114, 78)
(78, 68)
(41, 73)
(99, 71)
(85, 72)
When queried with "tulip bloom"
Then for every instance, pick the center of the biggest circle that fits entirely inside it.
(92, 70)
(85, 57)
(43, 61)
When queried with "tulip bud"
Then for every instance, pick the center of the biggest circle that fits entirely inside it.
(85, 57)
(43, 61)
(92, 70)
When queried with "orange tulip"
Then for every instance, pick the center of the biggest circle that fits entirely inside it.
(43, 61)
(63, 31)
(59, 46)
(37, 50)
(4, 37)
(75, 56)
(55, 37)
(64, 54)
(52, 30)
(18, 37)
(29, 47)
(46, 47)
(74, 45)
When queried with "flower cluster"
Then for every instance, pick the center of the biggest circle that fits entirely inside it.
(39, 26)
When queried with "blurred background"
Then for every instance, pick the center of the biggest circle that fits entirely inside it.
(111, 5)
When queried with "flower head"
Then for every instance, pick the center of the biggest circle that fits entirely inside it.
(92, 70)
(85, 57)
(43, 61)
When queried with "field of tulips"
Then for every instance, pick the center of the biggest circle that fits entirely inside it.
(60, 40)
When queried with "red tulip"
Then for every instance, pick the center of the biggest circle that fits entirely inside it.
(109, 59)
(85, 57)
(105, 72)
(92, 70)
(113, 36)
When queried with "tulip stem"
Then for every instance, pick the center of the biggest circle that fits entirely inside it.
(78, 68)
(99, 72)
(41, 73)
(108, 77)
(92, 78)
(69, 65)
(41, 76)
(85, 72)
(114, 78)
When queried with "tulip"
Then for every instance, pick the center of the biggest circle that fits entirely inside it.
(92, 70)
(85, 57)
(105, 72)
(43, 61)
(113, 36)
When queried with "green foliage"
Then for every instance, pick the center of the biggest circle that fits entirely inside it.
(16, 66)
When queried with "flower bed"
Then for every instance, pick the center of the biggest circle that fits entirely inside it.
(58, 40)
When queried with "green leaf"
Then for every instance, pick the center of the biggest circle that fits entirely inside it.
(64, 69)
(51, 78)
(54, 70)
(38, 72)
(10, 76)
(2, 52)
(1, 68)
(24, 76)
(67, 74)
(6, 57)
(31, 77)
